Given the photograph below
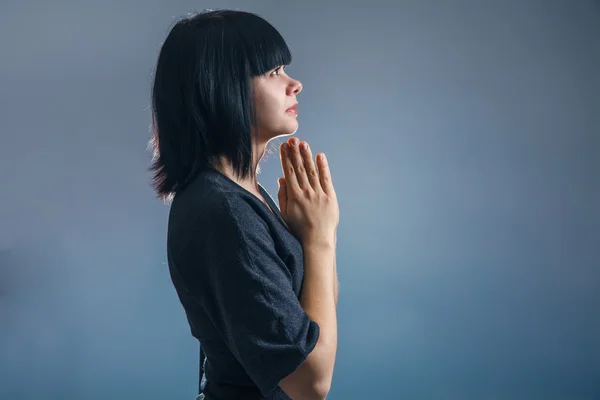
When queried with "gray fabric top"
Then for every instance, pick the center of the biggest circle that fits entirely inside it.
(238, 273)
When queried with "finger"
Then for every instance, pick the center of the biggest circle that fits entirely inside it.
(288, 168)
(324, 174)
(309, 164)
(282, 151)
(282, 195)
(299, 168)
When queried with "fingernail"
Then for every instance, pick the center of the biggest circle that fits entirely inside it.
(304, 146)
(285, 147)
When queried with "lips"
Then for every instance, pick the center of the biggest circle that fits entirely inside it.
(292, 108)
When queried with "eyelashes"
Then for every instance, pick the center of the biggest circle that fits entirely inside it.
(277, 71)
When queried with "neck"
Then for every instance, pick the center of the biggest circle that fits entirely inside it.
(250, 183)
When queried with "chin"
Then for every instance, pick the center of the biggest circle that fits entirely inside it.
(293, 127)
(287, 130)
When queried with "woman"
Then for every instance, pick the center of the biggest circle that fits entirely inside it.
(258, 284)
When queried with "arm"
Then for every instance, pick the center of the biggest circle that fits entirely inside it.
(336, 287)
(336, 280)
(312, 380)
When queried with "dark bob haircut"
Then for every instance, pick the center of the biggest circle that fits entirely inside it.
(202, 99)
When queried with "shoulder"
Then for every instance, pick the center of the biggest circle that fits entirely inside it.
(211, 204)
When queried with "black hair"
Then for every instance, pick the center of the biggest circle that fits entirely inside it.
(202, 99)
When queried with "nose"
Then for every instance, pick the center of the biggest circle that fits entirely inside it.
(296, 87)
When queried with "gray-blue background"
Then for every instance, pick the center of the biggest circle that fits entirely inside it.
(464, 141)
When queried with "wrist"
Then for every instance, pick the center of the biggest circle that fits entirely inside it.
(325, 242)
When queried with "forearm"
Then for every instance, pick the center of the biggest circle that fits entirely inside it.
(318, 299)
(336, 284)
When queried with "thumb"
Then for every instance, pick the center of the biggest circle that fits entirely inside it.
(282, 195)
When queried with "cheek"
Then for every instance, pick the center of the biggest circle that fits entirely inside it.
(269, 108)
(262, 109)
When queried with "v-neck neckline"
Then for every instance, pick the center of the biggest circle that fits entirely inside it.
(270, 204)
(268, 200)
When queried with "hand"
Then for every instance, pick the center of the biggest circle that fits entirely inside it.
(306, 195)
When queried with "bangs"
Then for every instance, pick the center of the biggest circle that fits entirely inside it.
(265, 48)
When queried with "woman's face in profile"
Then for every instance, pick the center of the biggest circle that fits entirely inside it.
(275, 94)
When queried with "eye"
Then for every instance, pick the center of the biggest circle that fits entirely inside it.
(277, 71)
